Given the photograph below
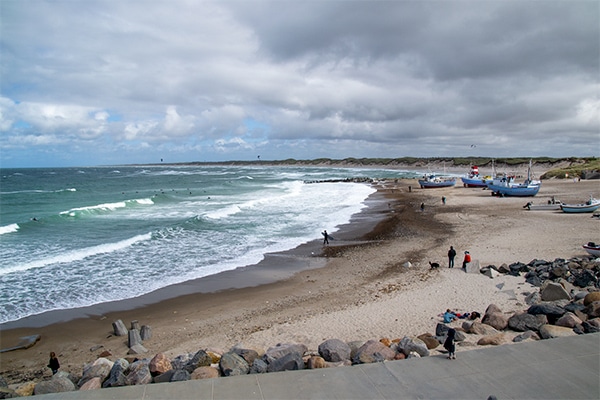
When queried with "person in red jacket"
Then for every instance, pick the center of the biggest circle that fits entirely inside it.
(466, 260)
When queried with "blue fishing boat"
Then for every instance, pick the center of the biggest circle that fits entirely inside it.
(589, 206)
(434, 181)
(506, 186)
(473, 179)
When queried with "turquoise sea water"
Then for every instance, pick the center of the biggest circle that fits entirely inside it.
(73, 237)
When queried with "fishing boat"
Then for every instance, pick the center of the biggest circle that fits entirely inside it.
(506, 186)
(589, 206)
(552, 205)
(592, 248)
(434, 181)
(473, 179)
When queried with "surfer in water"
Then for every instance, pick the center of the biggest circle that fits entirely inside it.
(325, 237)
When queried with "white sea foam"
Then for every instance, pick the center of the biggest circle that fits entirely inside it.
(76, 255)
(9, 229)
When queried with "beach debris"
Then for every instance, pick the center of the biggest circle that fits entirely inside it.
(25, 342)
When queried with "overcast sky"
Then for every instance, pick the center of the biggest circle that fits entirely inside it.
(112, 82)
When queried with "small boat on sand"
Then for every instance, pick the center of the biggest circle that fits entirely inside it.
(588, 207)
(592, 248)
(434, 181)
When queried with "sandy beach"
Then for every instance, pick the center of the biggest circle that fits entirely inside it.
(359, 290)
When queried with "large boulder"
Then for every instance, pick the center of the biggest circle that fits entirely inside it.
(522, 322)
(551, 291)
(100, 368)
(527, 335)
(591, 297)
(159, 364)
(59, 383)
(232, 364)
(334, 350)
(180, 375)
(479, 328)
(117, 376)
(247, 354)
(552, 311)
(495, 318)
(569, 320)
(553, 331)
(259, 366)
(282, 349)
(205, 373)
(289, 362)
(139, 374)
(593, 309)
(591, 326)
(92, 384)
(373, 351)
(494, 340)
(413, 345)
(430, 341)
(200, 359)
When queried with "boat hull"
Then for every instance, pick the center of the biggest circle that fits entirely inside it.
(593, 250)
(473, 182)
(432, 185)
(515, 191)
(579, 208)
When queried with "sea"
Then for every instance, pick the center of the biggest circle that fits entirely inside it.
(76, 237)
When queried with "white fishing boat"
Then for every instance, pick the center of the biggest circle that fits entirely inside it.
(588, 207)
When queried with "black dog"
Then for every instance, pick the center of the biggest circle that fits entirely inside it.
(434, 265)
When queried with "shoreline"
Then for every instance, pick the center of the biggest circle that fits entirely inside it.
(362, 292)
(274, 267)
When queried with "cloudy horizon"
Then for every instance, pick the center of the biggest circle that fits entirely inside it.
(119, 82)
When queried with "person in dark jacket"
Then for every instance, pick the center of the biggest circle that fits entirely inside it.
(449, 344)
(53, 364)
(451, 255)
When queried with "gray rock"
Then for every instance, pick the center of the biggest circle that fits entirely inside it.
(180, 375)
(232, 364)
(58, 384)
(134, 337)
(283, 349)
(289, 362)
(334, 350)
(551, 291)
(593, 309)
(137, 349)
(100, 368)
(550, 310)
(139, 373)
(181, 361)
(247, 354)
(200, 359)
(522, 322)
(135, 324)
(591, 326)
(373, 351)
(409, 345)
(119, 328)
(569, 320)
(473, 267)
(442, 329)
(146, 332)
(116, 376)
(258, 367)
(164, 378)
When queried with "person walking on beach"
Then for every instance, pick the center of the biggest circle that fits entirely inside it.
(53, 364)
(422, 207)
(466, 260)
(443, 199)
(450, 345)
(325, 237)
(451, 255)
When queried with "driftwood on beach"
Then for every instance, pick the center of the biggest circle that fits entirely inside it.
(566, 303)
